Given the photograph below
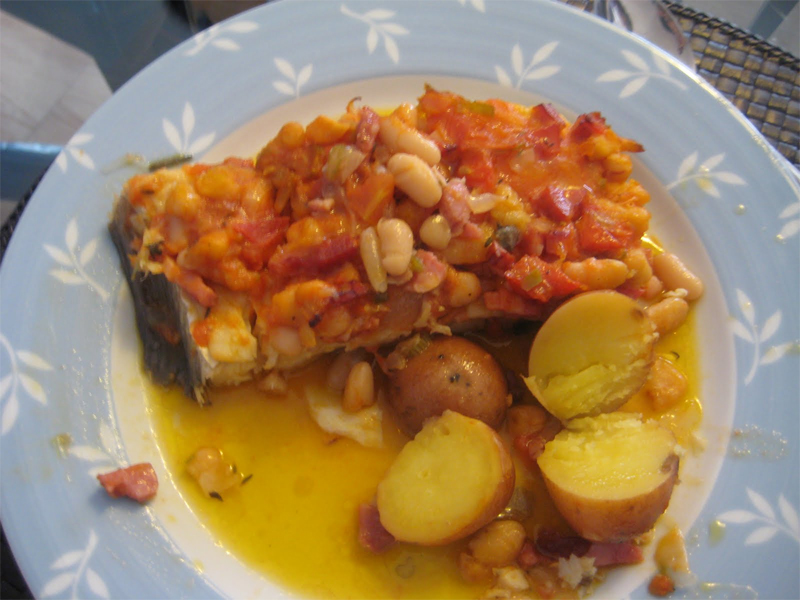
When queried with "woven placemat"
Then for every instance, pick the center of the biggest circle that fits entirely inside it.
(759, 78)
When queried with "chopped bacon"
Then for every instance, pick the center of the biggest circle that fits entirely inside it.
(585, 126)
(367, 130)
(260, 239)
(432, 274)
(529, 557)
(371, 533)
(498, 258)
(503, 300)
(304, 259)
(605, 554)
(561, 204)
(138, 482)
(454, 205)
(529, 446)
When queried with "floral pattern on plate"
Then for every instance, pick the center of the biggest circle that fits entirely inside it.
(276, 54)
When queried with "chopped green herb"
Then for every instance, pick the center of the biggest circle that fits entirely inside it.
(416, 265)
(488, 241)
(480, 108)
(531, 280)
(216, 496)
(246, 478)
(168, 161)
(62, 442)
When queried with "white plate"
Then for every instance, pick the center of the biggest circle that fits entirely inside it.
(69, 351)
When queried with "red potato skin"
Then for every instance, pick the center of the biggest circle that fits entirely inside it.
(615, 520)
(452, 373)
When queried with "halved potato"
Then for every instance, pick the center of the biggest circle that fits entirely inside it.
(453, 478)
(610, 476)
(591, 355)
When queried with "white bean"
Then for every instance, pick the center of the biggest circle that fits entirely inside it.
(369, 247)
(668, 314)
(286, 341)
(399, 137)
(359, 391)
(435, 232)
(397, 245)
(597, 273)
(415, 178)
(675, 275)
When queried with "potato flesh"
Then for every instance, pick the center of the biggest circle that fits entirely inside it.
(609, 457)
(591, 355)
(449, 481)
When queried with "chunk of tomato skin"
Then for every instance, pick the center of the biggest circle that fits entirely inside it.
(598, 233)
(370, 199)
(477, 167)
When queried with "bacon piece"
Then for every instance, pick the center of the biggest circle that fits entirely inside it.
(605, 554)
(371, 533)
(539, 280)
(561, 204)
(367, 130)
(529, 557)
(138, 482)
(585, 126)
(454, 205)
(610, 554)
(304, 259)
(432, 274)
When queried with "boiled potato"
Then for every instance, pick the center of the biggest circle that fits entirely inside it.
(450, 373)
(610, 476)
(591, 355)
(453, 478)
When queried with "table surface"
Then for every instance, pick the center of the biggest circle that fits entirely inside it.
(761, 80)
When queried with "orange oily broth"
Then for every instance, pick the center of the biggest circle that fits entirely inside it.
(295, 520)
(683, 419)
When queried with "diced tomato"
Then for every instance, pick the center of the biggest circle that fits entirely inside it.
(600, 232)
(370, 198)
(546, 141)
(478, 169)
(288, 260)
(539, 280)
(138, 482)
(562, 242)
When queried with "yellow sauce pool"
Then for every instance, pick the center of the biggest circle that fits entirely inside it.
(295, 519)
